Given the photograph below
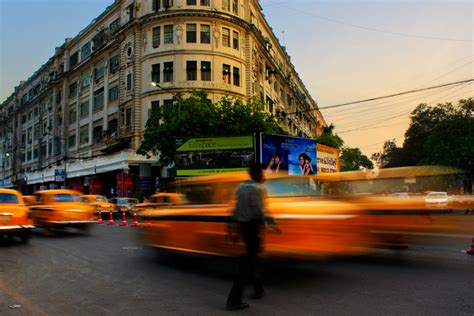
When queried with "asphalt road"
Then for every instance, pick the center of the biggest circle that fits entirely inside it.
(110, 273)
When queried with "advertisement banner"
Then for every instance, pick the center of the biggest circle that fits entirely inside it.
(288, 155)
(200, 156)
(328, 159)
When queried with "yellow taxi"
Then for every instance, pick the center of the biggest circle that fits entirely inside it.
(62, 208)
(15, 217)
(163, 199)
(29, 199)
(98, 202)
(310, 229)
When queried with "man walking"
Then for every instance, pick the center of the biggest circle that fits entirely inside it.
(249, 214)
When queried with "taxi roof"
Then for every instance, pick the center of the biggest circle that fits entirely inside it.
(11, 191)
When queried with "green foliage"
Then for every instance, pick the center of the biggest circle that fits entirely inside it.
(353, 159)
(196, 116)
(441, 134)
(330, 139)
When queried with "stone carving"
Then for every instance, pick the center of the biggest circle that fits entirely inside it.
(179, 33)
(217, 34)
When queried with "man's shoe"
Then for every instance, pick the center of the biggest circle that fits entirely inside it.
(259, 294)
(238, 306)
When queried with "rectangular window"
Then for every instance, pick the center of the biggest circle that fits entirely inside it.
(226, 73)
(114, 26)
(36, 111)
(191, 70)
(206, 3)
(128, 117)
(155, 105)
(99, 73)
(84, 135)
(85, 80)
(84, 108)
(97, 131)
(167, 4)
(205, 34)
(226, 5)
(72, 115)
(156, 37)
(35, 153)
(113, 94)
(71, 141)
(73, 60)
(191, 2)
(99, 99)
(73, 90)
(155, 73)
(191, 30)
(156, 5)
(236, 77)
(225, 37)
(168, 34)
(235, 40)
(85, 50)
(167, 104)
(235, 6)
(129, 82)
(205, 70)
(114, 64)
(168, 72)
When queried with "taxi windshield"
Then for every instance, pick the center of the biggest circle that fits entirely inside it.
(100, 199)
(66, 198)
(8, 198)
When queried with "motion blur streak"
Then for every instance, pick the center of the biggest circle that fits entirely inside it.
(331, 215)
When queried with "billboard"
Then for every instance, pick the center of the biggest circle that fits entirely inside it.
(59, 175)
(288, 155)
(200, 156)
(328, 159)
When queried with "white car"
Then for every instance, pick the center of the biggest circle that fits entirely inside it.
(437, 200)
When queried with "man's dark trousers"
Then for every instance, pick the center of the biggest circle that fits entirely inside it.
(250, 232)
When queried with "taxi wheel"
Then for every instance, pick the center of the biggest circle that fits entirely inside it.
(25, 237)
(86, 229)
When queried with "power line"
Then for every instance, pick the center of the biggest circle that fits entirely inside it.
(332, 20)
(384, 97)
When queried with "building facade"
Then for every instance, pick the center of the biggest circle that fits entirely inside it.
(78, 120)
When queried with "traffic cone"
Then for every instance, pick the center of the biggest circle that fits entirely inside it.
(124, 220)
(111, 219)
(135, 220)
(99, 218)
(470, 251)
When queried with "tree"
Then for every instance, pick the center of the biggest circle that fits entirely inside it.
(330, 139)
(451, 144)
(353, 159)
(196, 116)
(390, 156)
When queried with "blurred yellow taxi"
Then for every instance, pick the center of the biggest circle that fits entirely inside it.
(29, 199)
(15, 217)
(62, 208)
(98, 202)
(310, 229)
(162, 199)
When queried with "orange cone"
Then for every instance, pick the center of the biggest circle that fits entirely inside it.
(124, 220)
(135, 220)
(471, 249)
(99, 218)
(111, 219)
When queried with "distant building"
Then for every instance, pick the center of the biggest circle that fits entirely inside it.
(86, 108)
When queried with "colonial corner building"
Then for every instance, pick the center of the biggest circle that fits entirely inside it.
(84, 111)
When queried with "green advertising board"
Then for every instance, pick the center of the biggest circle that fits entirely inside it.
(201, 156)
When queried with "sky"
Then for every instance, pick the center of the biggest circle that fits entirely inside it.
(344, 51)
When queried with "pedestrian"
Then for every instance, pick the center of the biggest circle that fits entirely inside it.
(249, 218)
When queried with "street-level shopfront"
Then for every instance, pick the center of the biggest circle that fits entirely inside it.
(119, 174)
